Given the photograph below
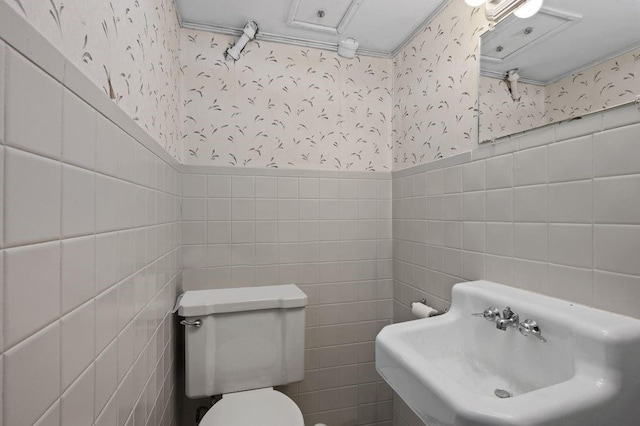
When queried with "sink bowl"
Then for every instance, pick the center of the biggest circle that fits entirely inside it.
(450, 369)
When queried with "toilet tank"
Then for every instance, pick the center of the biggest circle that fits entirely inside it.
(248, 338)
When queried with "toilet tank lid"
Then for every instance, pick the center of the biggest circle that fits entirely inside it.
(207, 302)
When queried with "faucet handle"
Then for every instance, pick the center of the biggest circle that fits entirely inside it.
(490, 314)
(529, 327)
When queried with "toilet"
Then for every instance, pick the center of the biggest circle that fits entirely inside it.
(239, 343)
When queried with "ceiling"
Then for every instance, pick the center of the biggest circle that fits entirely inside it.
(566, 36)
(381, 26)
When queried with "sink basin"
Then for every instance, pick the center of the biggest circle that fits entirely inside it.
(449, 369)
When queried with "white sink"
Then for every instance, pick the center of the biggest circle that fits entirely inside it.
(447, 368)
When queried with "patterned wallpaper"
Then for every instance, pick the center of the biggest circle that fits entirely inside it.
(435, 91)
(284, 106)
(608, 84)
(500, 115)
(435, 88)
(129, 48)
(602, 86)
(291, 107)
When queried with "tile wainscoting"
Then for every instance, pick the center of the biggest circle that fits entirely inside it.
(89, 250)
(555, 211)
(328, 232)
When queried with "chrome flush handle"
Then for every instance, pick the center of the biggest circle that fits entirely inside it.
(193, 323)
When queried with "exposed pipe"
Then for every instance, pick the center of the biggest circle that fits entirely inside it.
(248, 33)
(512, 83)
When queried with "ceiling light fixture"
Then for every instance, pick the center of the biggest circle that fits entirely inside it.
(497, 10)
(527, 10)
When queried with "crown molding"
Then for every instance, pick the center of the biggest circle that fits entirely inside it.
(324, 45)
(276, 38)
(598, 61)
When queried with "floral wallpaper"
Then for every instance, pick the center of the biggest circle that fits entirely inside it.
(436, 88)
(292, 107)
(500, 115)
(436, 91)
(284, 106)
(128, 48)
(605, 85)
(602, 86)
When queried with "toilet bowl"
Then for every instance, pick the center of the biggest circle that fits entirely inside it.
(263, 407)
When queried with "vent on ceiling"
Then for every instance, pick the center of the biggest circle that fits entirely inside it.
(333, 17)
(514, 36)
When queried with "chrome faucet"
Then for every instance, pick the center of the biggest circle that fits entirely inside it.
(509, 319)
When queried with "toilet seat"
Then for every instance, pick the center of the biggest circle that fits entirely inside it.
(263, 407)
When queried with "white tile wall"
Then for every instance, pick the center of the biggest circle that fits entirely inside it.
(89, 265)
(328, 233)
(613, 246)
(2, 157)
(78, 272)
(51, 417)
(571, 160)
(615, 152)
(107, 135)
(30, 92)
(33, 202)
(530, 241)
(32, 377)
(614, 200)
(77, 342)
(2, 94)
(530, 203)
(499, 172)
(571, 202)
(79, 127)
(530, 166)
(78, 201)
(105, 380)
(558, 218)
(22, 281)
(76, 404)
